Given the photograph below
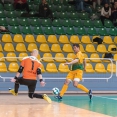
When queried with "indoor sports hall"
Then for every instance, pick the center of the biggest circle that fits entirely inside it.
(54, 40)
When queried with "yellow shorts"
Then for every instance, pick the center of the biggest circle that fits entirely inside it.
(75, 75)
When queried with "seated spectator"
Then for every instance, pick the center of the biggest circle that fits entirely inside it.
(21, 4)
(105, 13)
(114, 12)
(3, 29)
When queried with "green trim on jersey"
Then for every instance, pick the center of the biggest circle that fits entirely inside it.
(77, 66)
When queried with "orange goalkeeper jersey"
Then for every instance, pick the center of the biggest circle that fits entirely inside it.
(30, 64)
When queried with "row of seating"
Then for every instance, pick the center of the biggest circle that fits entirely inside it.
(58, 57)
(51, 67)
(62, 39)
(20, 47)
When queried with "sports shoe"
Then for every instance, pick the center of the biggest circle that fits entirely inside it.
(90, 94)
(13, 92)
(45, 97)
(58, 97)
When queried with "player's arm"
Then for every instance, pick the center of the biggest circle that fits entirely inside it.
(84, 63)
(72, 62)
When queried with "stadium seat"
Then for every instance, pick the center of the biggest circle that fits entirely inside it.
(3, 67)
(97, 23)
(108, 24)
(35, 22)
(84, 16)
(8, 7)
(29, 39)
(74, 39)
(90, 48)
(105, 59)
(37, 30)
(31, 47)
(52, 39)
(56, 23)
(44, 48)
(92, 31)
(47, 57)
(70, 9)
(24, 22)
(63, 68)
(66, 23)
(99, 67)
(95, 55)
(13, 22)
(41, 39)
(42, 68)
(70, 31)
(22, 55)
(63, 15)
(46, 22)
(2, 14)
(110, 47)
(63, 39)
(112, 32)
(101, 48)
(13, 67)
(74, 16)
(59, 57)
(39, 57)
(81, 48)
(60, 8)
(15, 30)
(115, 40)
(1, 48)
(86, 40)
(18, 38)
(9, 55)
(1, 7)
(11, 14)
(70, 56)
(81, 31)
(115, 57)
(1, 57)
(67, 48)
(77, 23)
(86, 56)
(6, 38)
(94, 38)
(59, 31)
(111, 67)
(3, 22)
(102, 32)
(20, 47)
(88, 23)
(56, 48)
(107, 40)
(48, 31)
(8, 47)
(26, 30)
(51, 67)
(89, 68)
(56, 2)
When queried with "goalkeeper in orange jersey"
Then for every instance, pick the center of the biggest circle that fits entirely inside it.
(75, 75)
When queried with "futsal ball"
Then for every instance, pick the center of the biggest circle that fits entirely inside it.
(55, 91)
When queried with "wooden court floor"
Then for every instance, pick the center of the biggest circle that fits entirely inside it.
(71, 106)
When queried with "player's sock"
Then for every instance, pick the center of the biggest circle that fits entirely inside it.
(80, 86)
(90, 94)
(13, 92)
(45, 97)
(63, 90)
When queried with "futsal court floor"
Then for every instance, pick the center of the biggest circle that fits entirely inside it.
(71, 106)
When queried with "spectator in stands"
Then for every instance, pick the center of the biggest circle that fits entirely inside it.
(21, 4)
(114, 12)
(95, 2)
(105, 13)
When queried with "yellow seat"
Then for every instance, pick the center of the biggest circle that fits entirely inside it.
(59, 57)
(86, 56)
(6, 38)
(51, 67)
(18, 38)
(115, 40)
(1, 48)
(11, 57)
(63, 39)
(94, 38)
(110, 68)
(47, 57)
(107, 40)
(22, 55)
(89, 68)
(70, 56)
(63, 68)
(90, 48)
(1, 57)
(101, 48)
(52, 39)
(38, 57)
(13, 67)
(3, 67)
(8, 47)
(105, 58)
(29, 39)
(42, 68)
(56, 48)
(67, 48)
(44, 48)
(99, 67)
(110, 48)
(31, 47)
(20, 47)
(95, 55)
(41, 39)
(81, 48)
(74, 39)
(115, 57)
(86, 40)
